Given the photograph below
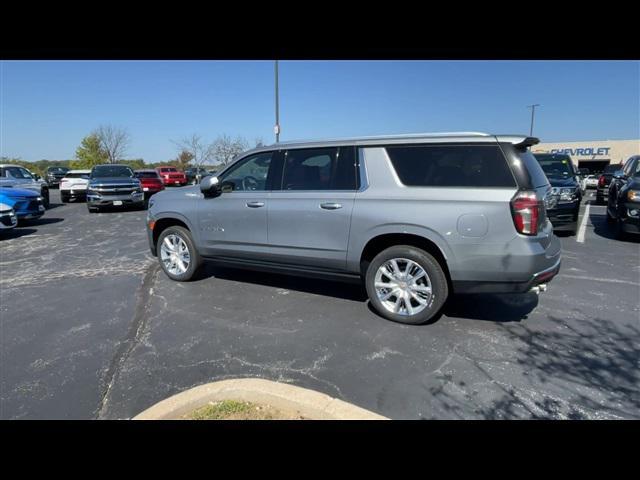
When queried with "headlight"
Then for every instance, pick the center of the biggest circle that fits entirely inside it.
(568, 194)
(633, 195)
(40, 199)
(4, 208)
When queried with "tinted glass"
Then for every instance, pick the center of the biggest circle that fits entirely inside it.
(111, 171)
(147, 175)
(451, 166)
(169, 169)
(76, 175)
(57, 170)
(249, 174)
(320, 169)
(556, 166)
(17, 172)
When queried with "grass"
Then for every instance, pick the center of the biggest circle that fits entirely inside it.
(236, 410)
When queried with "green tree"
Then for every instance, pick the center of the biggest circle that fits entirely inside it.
(90, 153)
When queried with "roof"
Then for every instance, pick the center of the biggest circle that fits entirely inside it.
(450, 137)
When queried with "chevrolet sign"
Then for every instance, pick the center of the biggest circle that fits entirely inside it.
(583, 152)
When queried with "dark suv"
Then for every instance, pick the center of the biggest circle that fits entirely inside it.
(566, 193)
(54, 175)
(623, 205)
(602, 192)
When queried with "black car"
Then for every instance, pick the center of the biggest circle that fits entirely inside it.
(623, 204)
(195, 173)
(604, 181)
(55, 174)
(563, 204)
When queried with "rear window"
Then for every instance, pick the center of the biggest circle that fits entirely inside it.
(168, 169)
(147, 175)
(77, 175)
(612, 168)
(538, 177)
(451, 166)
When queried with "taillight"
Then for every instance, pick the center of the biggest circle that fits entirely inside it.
(601, 181)
(525, 210)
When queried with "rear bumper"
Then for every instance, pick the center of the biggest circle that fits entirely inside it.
(543, 276)
(170, 182)
(74, 193)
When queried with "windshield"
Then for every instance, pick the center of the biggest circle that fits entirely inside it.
(555, 165)
(111, 171)
(58, 170)
(147, 175)
(169, 169)
(612, 168)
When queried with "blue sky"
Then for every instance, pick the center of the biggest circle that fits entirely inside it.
(48, 107)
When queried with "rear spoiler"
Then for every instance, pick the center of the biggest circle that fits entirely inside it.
(527, 142)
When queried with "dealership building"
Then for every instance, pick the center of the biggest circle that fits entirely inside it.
(594, 155)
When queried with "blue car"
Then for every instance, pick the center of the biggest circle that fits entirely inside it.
(26, 204)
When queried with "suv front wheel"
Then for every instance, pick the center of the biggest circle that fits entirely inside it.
(406, 284)
(177, 254)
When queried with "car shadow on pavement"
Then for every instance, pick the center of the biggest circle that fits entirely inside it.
(602, 228)
(42, 221)
(55, 205)
(16, 233)
(344, 290)
(595, 365)
(512, 307)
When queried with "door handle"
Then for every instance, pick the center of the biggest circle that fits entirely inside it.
(255, 204)
(330, 206)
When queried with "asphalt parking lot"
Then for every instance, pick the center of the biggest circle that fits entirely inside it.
(91, 328)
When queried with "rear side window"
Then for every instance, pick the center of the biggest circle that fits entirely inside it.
(451, 166)
(320, 169)
(538, 177)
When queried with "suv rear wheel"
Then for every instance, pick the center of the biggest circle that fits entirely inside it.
(406, 284)
(177, 254)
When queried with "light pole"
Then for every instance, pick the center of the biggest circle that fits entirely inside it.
(533, 112)
(276, 129)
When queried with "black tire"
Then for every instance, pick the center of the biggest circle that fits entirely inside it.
(45, 198)
(599, 200)
(195, 261)
(610, 219)
(618, 232)
(435, 272)
(93, 209)
(64, 198)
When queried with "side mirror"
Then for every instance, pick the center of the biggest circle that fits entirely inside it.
(210, 186)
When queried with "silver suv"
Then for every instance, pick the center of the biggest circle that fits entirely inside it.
(416, 217)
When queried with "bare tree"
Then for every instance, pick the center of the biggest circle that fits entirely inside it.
(258, 142)
(201, 152)
(114, 141)
(225, 149)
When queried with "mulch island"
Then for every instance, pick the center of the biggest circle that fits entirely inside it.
(237, 410)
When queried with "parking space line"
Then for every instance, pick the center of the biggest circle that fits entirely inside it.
(583, 225)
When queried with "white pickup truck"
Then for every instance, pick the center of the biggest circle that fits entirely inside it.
(74, 185)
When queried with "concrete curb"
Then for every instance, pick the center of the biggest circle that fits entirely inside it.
(309, 403)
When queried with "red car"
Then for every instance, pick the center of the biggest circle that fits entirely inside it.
(172, 176)
(150, 181)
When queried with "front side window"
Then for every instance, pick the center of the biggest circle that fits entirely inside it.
(451, 166)
(249, 174)
(320, 169)
(17, 172)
